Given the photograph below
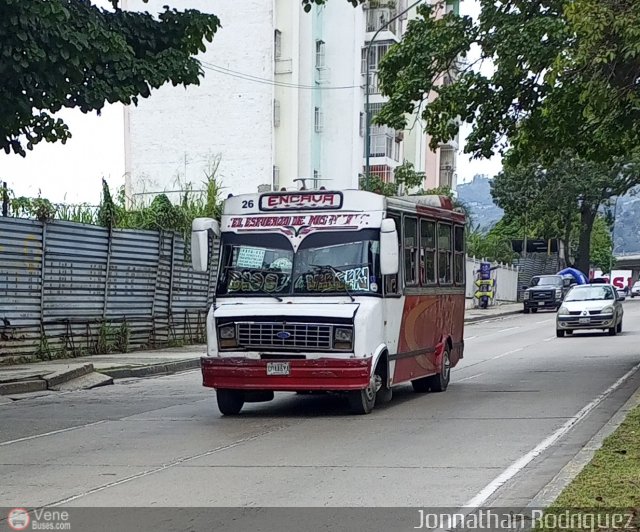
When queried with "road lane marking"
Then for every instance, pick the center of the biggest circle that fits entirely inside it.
(472, 377)
(543, 321)
(526, 459)
(164, 467)
(508, 329)
(549, 339)
(470, 338)
(35, 436)
(492, 333)
(489, 359)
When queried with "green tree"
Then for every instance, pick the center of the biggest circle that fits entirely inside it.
(602, 246)
(564, 197)
(71, 54)
(565, 77)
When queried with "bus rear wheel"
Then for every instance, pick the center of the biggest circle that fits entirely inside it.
(438, 382)
(230, 402)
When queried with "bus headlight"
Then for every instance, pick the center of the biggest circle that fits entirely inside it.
(343, 338)
(227, 335)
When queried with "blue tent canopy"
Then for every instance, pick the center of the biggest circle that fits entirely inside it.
(580, 277)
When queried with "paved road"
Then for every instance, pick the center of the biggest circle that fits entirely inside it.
(518, 408)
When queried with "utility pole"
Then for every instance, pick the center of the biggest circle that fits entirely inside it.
(367, 110)
(5, 199)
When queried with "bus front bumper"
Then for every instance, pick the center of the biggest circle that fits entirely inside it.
(331, 374)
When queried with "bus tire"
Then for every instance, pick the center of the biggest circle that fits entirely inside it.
(361, 402)
(440, 381)
(230, 402)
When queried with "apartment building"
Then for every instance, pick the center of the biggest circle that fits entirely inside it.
(283, 98)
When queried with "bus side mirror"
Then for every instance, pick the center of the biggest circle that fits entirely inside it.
(200, 242)
(389, 254)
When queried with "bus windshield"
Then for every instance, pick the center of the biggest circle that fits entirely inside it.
(324, 264)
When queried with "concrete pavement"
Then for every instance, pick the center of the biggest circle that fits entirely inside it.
(16, 380)
(520, 406)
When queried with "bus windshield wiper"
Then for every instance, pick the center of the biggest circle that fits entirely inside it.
(335, 276)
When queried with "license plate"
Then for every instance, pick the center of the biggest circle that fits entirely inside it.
(541, 303)
(278, 368)
(584, 320)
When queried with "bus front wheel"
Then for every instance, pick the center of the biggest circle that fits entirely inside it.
(230, 402)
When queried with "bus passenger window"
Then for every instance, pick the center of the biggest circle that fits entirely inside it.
(458, 261)
(444, 253)
(410, 251)
(428, 250)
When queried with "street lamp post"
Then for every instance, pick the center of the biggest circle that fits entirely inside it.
(367, 111)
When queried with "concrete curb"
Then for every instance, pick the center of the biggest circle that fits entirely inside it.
(60, 377)
(23, 386)
(474, 319)
(155, 369)
(547, 495)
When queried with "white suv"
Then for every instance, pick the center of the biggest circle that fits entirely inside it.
(635, 289)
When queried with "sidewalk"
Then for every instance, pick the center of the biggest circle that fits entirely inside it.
(92, 371)
(476, 314)
(99, 370)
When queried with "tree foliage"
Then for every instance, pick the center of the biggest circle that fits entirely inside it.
(563, 198)
(71, 54)
(566, 76)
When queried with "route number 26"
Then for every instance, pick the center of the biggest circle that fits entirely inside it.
(247, 204)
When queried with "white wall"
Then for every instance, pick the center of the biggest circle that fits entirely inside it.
(224, 115)
(505, 278)
(342, 146)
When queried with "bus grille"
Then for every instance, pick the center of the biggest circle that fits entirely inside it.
(285, 335)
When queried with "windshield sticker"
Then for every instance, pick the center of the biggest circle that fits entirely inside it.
(250, 257)
(245, 281)
(355, 279)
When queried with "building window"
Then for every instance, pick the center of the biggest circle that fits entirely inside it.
(428, 250)
(377, 51)
(318, 120)
(316, 179)
(276, 113)
(320, 59)
(276, 178)
(410, 251)
(459, 265)
(277, 44)
(444, 253)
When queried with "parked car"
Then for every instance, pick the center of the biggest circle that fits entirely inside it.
(545, 292)
(635, 289)
(593, 306)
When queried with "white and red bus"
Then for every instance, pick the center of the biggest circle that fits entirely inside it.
(342, 291)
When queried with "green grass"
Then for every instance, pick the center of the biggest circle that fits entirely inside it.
(610, 483)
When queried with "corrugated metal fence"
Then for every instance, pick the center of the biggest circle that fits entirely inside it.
(68, 288)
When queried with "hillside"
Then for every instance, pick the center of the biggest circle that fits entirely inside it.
(476, 195)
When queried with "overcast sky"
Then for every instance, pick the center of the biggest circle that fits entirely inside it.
(72, 172)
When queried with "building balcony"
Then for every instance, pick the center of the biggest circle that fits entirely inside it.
(378, 18)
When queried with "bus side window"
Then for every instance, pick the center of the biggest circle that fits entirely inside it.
(428, 250)
(444, 253)
(459, 265)
(410, 235)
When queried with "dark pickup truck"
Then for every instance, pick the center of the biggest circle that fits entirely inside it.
(545, 292)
